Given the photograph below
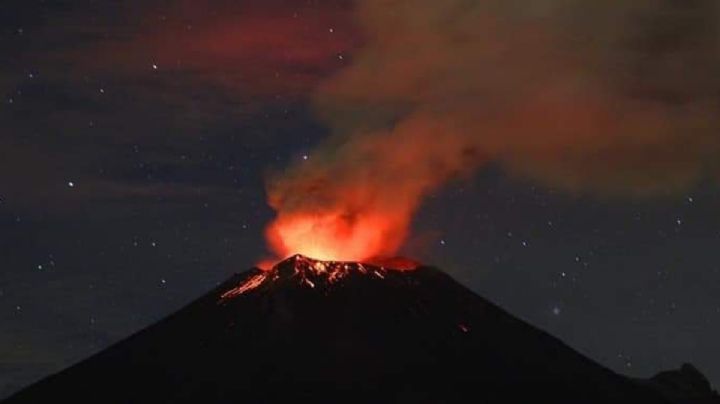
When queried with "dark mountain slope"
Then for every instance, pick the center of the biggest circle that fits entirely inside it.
(341, 332)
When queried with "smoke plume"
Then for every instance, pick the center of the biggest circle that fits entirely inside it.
(608, 98)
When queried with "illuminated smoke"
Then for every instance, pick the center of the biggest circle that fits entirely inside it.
(609, 98)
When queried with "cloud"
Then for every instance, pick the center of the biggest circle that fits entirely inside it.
(250, 49)
(612, 99)
(604, 97)
(91, 84)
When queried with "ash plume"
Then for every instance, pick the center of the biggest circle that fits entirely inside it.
(607, 98)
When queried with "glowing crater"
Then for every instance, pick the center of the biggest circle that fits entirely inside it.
(311, 272)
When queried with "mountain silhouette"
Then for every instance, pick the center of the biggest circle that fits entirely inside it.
(313, 331)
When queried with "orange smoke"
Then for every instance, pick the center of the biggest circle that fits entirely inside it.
(334, 236)
(593, 100)
(355, 202)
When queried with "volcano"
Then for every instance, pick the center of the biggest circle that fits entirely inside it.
(315, 331)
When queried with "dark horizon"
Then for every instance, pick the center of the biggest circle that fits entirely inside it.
(325, 331)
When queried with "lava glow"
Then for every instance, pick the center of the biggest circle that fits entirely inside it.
(332, 236)
(313, 273)
(250, 284)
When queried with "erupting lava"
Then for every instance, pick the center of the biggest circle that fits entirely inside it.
(312, 273)
(335, 236)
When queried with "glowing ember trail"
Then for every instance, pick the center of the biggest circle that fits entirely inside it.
(314, 273)
(250, 284)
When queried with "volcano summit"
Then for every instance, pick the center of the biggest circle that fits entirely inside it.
(315, 331)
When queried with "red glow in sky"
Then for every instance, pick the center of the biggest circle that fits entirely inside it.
(334, 236)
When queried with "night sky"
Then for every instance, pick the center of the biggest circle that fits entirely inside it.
(137, 138)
